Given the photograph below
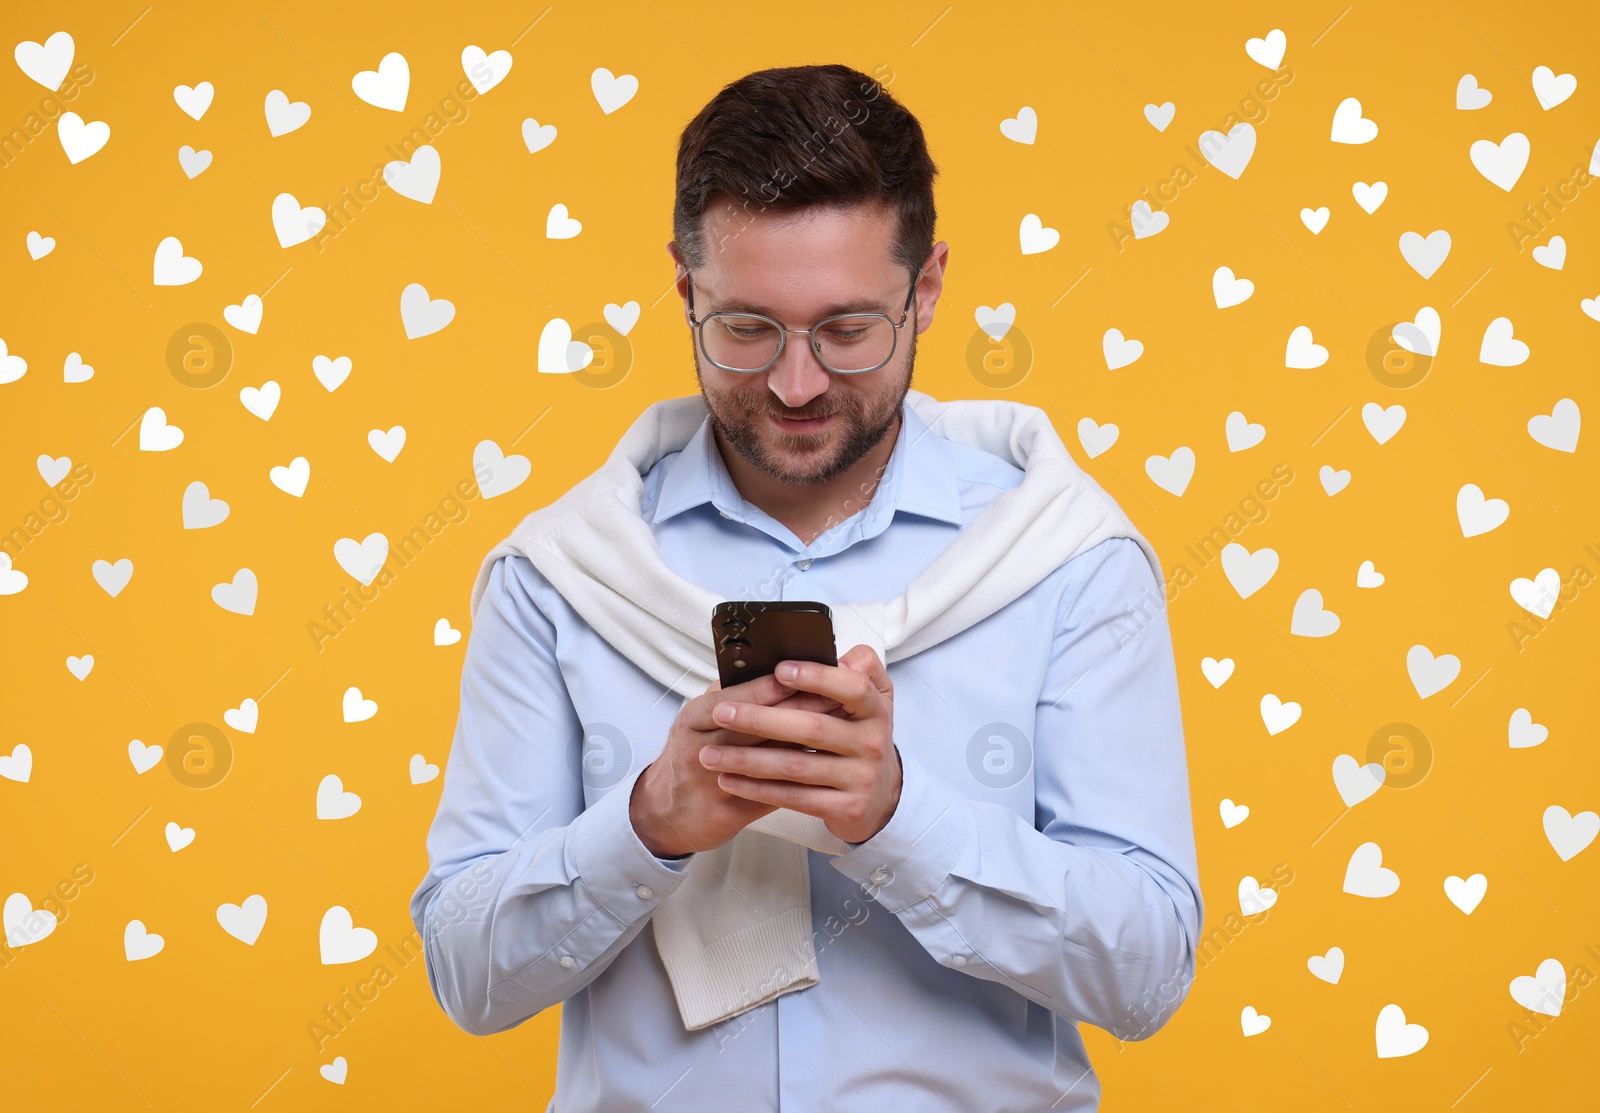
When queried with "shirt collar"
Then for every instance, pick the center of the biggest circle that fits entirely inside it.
(920, 477)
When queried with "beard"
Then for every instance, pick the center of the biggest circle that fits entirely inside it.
(742, 419)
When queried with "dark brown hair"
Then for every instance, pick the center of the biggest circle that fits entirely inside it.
(778, 140)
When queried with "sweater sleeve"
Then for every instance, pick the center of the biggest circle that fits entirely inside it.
(1093, 910)
(528, 897)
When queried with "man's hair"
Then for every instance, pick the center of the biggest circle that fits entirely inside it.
(779, 140)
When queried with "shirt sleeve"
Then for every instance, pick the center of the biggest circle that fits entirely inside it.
(1094, 910)
(528, 896)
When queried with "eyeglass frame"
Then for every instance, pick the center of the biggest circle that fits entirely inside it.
(698, 328)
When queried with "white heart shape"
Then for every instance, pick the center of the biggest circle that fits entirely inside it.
(339, 940)
(1468, 893)
(1278, 716)
(1545, 989)
(1569, 834)
(444, 633)
(137, 943)
(1233, 814)
(244, 921)
(1310, 620)
(1367, 876)
(172, 267)
(1229, 153)
(1229, 291)
(1329, 967)
(1501, 163)
(333, 802)
(1557, 429)
(1396, 1038)
(1349, 126)
(144, 758)
(1551, 89)
(1248, 572)
(237, 595)
(1035, 237)
(284, 117)
(155, 435)
(485, 71)
(387, 86)
(1537, 595)
(1267, 51)
(362, 559)
(1368, 575)
(1430, 674)
(387, 444)
(262, 401)
(1252, 1022)
(421, 770)
(1477, 514)
(356, 707)
(178, 837)
(417, 179)
(1171, 473)
(1096, 438)
(1242, 433)
(1217, 672)
(292, 480)
(1553, 254)
(47, 63)
(422, 315)
(18, 764)
(332, 373)
(1160, 115)
(1369, 197)
(496, 472)
(1383, 422)
(1522, 732)
(1500, 348)
(535, 137)
(80, 140)
(246, 316)
(621, 317)
(1024, 126)
(1302, 352)
(243, 718)
(612, 92)
(1354, 781)
(1425, 254)
(195, 101)
(293, 224)
(112, 577)
(1469, 96)
(1118, 351)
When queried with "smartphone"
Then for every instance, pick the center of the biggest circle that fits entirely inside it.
(753, 635)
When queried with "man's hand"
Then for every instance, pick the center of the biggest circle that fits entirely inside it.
(853, 782)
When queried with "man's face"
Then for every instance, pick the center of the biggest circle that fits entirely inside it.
(798, 268)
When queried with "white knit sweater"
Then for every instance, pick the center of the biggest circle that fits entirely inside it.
(737, 932)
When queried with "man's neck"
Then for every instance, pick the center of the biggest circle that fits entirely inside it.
(807, 511)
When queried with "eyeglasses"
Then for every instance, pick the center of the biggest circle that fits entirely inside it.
(846, 343)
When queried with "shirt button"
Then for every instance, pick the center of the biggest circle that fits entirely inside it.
(725, 514)
(568, 962)
(880, 876)
(803, 563)
(958, 960)
(644, 891)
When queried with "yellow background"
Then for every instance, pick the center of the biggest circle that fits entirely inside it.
(210, 1023)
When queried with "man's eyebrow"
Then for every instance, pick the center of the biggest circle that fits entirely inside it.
(738, 305)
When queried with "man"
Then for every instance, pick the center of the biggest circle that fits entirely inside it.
(999, 843)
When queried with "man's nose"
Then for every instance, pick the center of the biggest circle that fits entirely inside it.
(797, 377)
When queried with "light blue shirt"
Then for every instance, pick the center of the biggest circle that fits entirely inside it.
(1038, 872)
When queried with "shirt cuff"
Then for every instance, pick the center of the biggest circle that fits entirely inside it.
(619, 871)
(912, 856)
